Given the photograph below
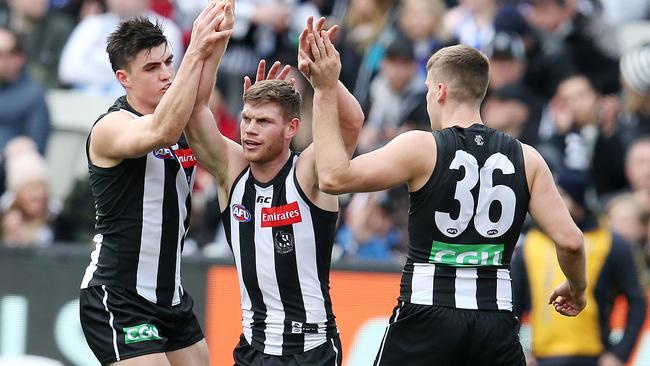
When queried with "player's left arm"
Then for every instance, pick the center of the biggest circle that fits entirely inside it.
(350, 118)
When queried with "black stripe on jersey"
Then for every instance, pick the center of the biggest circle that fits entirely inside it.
(486, 288)
(249, 276)
(406, 286)
(286, 272)
(169, 236)
(444, 286)
(127, 270)
(324, 240)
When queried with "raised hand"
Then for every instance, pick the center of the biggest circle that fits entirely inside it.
(206, 31)
(567, 301)
(325, 68)
(303, 44)
(275, 72)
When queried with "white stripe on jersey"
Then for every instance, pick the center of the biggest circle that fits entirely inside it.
(465, 294)
(246, 305)
(152, 201)
(312, 295)
(183, 191)
(267, 278)
(111, 318)
(504, 290)
(422, 284)
(94, 258)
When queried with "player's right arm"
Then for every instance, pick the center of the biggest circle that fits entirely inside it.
(549, 212)
(118, 135)
(219, 155)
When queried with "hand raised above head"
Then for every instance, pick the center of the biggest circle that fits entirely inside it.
(275, 72)
(205, 30)
(304, 45)
(325, 67)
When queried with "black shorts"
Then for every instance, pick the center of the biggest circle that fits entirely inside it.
(327, 354)
(119, 324)
(423, 335)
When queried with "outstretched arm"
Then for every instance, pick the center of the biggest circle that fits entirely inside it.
(394, 164)
(218, 154)
(550, 213)
(350, 113)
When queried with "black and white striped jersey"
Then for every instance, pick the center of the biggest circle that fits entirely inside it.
(143, 212)
(465, 221)
(282, 244)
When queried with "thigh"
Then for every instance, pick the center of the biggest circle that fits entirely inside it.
(156, 359)
(183, 328)
(194, 355)
(119, 325)
(496, 341)
(422, 335)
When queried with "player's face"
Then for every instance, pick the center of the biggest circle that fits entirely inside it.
(150, 74)
(265, 132)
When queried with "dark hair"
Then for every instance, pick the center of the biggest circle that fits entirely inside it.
(464, 69)
(275, 91)
(131, 37)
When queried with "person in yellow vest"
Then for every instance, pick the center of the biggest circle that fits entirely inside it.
(585, 339)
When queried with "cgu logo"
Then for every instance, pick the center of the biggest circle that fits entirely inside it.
(240, 213)
(141, 333)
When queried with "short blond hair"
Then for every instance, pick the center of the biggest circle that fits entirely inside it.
(465, 70)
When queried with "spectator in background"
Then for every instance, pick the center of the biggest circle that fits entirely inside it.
(27, 211)
(395, 93)
(591, 42)
(369, 232)
(363, 23)
(507, 61)
(585, 137)
(472, 22)
(611, 271)
(635, 76)
(637, 170)
(421, 22)
(44, 32)
(514, 111)
(547, 58)
(84, 63)
(23, 110)
(629, 219)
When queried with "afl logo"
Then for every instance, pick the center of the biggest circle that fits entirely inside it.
(492, 232)
(452, 231)
(240, 213)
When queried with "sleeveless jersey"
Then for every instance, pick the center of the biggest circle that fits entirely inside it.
(142, 216)
(282, 244)
(465, 221)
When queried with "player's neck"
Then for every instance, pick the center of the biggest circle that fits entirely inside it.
(461, 115)
(139, 106)
(266, 171)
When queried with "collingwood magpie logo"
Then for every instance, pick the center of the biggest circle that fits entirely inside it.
(479, 140)
(284, 242)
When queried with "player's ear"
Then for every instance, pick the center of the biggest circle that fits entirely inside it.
(441, 93)
(123, 78)
(292, 127)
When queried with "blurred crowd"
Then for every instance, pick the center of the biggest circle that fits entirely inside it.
(560, 80)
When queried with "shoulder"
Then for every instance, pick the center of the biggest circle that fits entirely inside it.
(110, 121)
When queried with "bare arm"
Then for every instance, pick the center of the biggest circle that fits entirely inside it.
(218, 154)
(548, 209)
(116, 137)
(350, 113)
